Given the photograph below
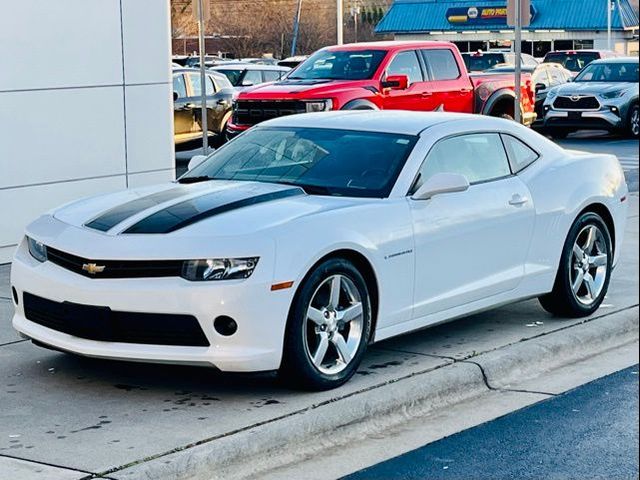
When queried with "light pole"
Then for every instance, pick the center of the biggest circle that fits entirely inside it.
(340, 21)
(518, 52)
(296, 29)
(609, 5)
(201, 16)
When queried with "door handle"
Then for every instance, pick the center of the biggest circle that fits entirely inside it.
(426, 94)
(518, 200)
(465, 90)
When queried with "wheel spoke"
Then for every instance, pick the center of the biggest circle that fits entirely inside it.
(599, 260)
(577, 283)
(341, 346)
(321, 351)
(577, 251)
(351, 313)
(336, 284)
(316, 316)
(591, 240)
(590, 285)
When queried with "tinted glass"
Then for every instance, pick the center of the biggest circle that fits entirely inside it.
(520, 155)
(252, 77)
(322, 161)
(340, 65)
(477, 62)
(609, 72)
(221, 82)
(406, 63)
(179, 86)
(442, 64)
(271, 75)
(572, 61)
(479, 157)
(232, 75)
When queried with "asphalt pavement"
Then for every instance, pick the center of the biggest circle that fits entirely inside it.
(588, 433)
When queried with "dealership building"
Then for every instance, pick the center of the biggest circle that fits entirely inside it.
(478, 24)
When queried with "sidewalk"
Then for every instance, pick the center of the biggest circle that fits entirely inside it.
(125, 420)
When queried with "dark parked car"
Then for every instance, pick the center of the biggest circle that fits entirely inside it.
(249, 74)
(187, 113)
(544, 76)
(604, 96)
(480, 61)
(576, 60)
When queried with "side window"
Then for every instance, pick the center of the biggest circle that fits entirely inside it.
(442, 64)
(520, 155)
(194, 78)
(211, 86)
(252, 77)
(179, 86)
(271, 75)
(557, 77)
(480, 157)
(406, 63)
(540, 75)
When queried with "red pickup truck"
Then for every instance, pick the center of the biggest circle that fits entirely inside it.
(423, 76)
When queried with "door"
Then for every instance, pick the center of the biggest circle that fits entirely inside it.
(216, 103)
(417, 95)
(185, 128)
(450, 89)
(470, 245)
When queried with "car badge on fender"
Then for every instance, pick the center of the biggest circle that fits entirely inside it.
(92, 268)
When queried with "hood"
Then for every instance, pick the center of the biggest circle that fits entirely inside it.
(313, 88)
(214, 208)
(590, 88)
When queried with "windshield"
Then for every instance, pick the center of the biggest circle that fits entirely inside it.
(232, 75)
(572, 61)
(609, 72)
(321, 161)
(477, 62)
(340, 65)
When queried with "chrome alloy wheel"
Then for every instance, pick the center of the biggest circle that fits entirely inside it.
(334, 324)
(589, 263)
(635, 122)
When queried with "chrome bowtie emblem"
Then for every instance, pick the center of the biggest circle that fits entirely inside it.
(92, 268)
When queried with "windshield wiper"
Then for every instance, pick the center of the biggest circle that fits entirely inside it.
(201, 178)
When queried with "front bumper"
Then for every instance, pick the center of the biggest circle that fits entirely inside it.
(603, 119)
(260, 314)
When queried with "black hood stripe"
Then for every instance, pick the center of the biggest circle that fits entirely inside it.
(109, 219)
(197, 209)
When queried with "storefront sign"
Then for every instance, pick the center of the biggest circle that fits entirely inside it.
(478, 15)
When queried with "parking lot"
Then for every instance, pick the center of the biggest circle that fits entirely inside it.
(118, 418)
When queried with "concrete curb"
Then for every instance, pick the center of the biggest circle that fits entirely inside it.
(290, 438)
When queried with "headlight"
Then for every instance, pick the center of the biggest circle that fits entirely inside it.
(319, 106)
(219, 269)
(613, 94)
(38, 250)
(552, 93)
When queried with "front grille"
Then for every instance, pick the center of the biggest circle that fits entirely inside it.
(105, 325)
(251, 112)
(582, 103)
(116, 268)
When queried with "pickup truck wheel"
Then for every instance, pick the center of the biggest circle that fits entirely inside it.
(506, 116)
(559, 133)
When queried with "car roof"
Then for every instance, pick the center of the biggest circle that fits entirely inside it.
(249, 66)
(617, 60)
(388, 45)
(383, 121)
(213, 73)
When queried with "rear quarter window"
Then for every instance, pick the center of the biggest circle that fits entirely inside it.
(520, 154)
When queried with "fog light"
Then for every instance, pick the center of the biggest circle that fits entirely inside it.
(225, 326)
(15, 295)
(547, 108)
(614, 110)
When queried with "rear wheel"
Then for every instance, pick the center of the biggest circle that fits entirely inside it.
(328, 327)
(585, 269)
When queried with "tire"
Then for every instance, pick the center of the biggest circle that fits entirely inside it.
(317, 322)
(633, 126)
(573, 294)
(559, 133)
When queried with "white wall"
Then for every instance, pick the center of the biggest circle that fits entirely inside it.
(85, 103)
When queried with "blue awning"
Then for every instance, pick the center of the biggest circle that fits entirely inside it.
(419, 16)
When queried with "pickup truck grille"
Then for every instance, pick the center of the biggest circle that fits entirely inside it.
(251, 112)
(576, 103)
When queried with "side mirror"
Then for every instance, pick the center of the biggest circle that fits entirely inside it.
(540, 87)
(195, 161)
(175, 96)
(247, 84)
(441, 183)
(396, 82)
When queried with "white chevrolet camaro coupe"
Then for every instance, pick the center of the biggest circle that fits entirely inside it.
(309, 237)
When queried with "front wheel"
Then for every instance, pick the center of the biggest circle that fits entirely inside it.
(633, 123)
(585, 269)
(328, 327)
